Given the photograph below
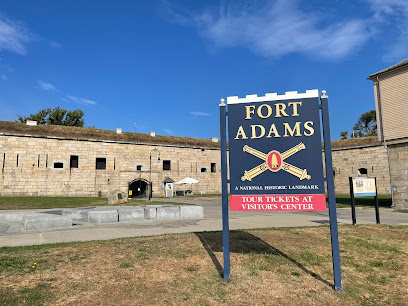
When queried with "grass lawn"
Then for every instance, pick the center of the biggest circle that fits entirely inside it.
(284, 266)
(63, 202)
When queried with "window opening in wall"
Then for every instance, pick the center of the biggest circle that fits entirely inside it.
(4, 159)
(114, 164)
(213, 167)
(362, 171)
(38, 163)
(100, 163)
(203, 170)
(372, 168)
(139, 167)
(73, 161)
(46, 161)
(58, 165)
(334, 173)
(166, 165)
(17, 161)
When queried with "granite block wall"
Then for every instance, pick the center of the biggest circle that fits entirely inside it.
(33, 165)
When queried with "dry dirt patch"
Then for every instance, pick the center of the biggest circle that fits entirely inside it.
(277, 266)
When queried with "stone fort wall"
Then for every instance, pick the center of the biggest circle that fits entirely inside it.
(40, 165)
(28, 166)
(365, 160)
(399, 172)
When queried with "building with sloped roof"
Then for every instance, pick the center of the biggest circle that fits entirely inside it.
(391, 102)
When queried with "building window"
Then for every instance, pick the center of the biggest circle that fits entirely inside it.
(213, 167)
(73, 162)
(58, 165)
(100, 163)
(362, 171)
(139, 167)
(166, 165)
(203, 170)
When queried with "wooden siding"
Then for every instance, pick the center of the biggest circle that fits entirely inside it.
(394, 103)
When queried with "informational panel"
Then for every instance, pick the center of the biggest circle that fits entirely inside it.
(364, 186)
(275, 152)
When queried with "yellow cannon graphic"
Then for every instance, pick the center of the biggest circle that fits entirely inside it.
(274, 161)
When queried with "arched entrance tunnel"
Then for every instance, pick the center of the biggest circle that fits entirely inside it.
(139, 188)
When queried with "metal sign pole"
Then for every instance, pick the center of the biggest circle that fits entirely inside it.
(377, 209)
(224, 185)
(353, 204)
(330, 190)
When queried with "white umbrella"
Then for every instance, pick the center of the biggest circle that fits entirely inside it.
(187, 180)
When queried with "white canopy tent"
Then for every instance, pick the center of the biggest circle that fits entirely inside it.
(187, 180)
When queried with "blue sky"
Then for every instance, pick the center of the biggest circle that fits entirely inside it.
(163, 66)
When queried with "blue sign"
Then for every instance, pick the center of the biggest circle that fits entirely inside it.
(275, 159)
(275, 144)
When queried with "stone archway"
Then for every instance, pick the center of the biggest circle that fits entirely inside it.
(139, 188)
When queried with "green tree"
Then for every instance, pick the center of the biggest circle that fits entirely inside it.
(40, 117)
(56, 116)
(344, 135)
(365, 126)
(74, 118)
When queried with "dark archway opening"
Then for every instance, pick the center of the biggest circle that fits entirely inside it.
(139, 189)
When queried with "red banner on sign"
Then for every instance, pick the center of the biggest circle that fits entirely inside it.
(274, 202)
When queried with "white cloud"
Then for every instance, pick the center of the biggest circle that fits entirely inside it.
(168, 131)
(200, 114)
(81, 100)
(55, 45)
(395, 13)
(68, 98)
(46, 86)
(13, 36)
(276, 28)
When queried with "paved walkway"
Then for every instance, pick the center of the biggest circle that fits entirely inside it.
(10, 236)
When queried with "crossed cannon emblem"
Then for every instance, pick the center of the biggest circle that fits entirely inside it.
(274, 161)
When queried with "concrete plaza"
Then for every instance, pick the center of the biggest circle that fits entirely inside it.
(13, 235)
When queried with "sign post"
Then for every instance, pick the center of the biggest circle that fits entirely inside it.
(330, 190)
(224, 186)
(363, 187)
(275, 159)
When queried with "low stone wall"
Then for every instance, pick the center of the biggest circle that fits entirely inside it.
(65, 218)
